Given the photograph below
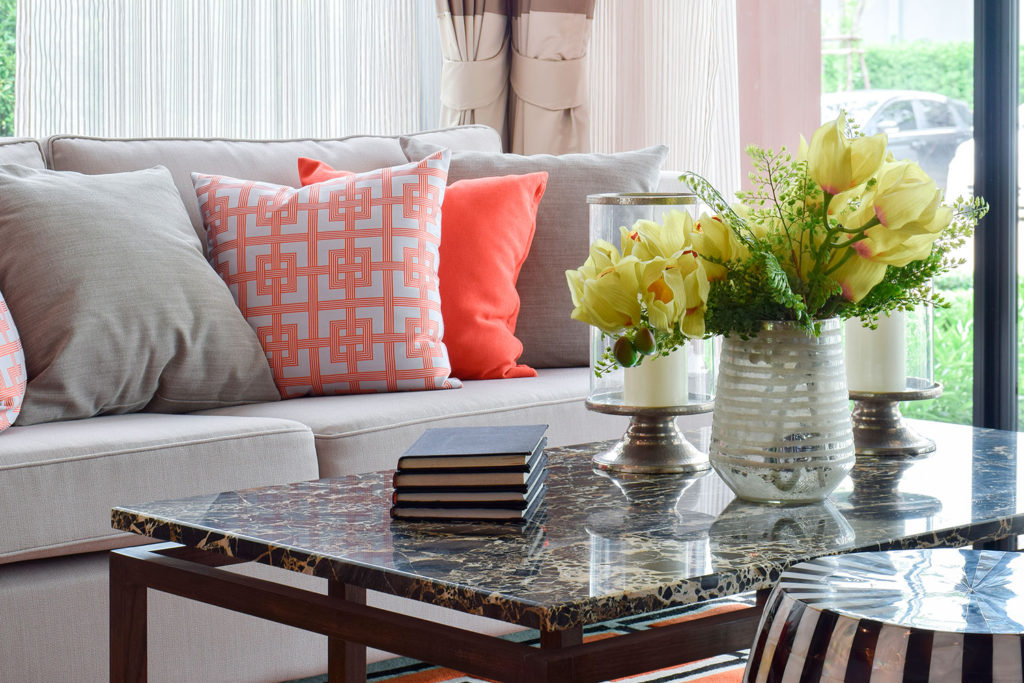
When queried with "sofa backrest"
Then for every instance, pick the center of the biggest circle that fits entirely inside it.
(272, 161)
(21, 151)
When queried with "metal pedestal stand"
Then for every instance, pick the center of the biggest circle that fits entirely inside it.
(652, 444)
(878, 427)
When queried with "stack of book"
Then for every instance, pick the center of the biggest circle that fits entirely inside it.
(472, 473)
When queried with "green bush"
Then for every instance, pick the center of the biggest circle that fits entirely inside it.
(954, 355)
(8, 15)
(946, 68)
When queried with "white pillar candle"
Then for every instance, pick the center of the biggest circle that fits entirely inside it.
(876, 360)
(658, 381)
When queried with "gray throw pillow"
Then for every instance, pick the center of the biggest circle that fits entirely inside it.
(117, 308)
(551, 339)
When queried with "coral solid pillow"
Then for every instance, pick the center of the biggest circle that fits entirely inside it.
(487, 226)
(339, 278)
(12, 369)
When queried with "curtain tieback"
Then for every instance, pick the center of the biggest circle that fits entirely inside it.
(553, 84)
(472, 85)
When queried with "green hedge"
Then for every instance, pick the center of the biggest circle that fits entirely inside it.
(946, 68)
(8, 15)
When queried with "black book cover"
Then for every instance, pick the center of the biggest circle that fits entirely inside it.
(461, 498)
(488, 487)
(472, 513)
(489, 478)
(456, 442)
(472, 463)
(508, 461)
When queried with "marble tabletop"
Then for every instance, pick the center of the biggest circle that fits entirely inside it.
(599, 547)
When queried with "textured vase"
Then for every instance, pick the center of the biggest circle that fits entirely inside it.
(781, 431)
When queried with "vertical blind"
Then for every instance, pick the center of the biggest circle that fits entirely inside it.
(661, 71)
(232, 68)
(665, 72)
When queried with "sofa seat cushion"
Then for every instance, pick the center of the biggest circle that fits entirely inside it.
(272, 161)
(59, 480)
(366, 433)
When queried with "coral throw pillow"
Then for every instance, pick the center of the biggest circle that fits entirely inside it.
(339, 279)
(487, 230)
(12, 369)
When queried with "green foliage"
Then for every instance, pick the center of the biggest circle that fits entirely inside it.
(789, 244)
(946, 68)
(954, 354)
(8, 16)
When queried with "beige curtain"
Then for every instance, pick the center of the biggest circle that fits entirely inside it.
(549, 108)
(539, 47)
(475, 68)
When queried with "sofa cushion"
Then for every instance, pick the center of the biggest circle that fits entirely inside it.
(60, 480)
(117, 308)
(367, 433)
(21, 151)
(338, 279)
(271, 161)
(12, 368)
(488, 225)
(551, 339)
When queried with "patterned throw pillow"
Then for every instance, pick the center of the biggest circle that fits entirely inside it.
(488, 226)
(339, 279)
(12, 369)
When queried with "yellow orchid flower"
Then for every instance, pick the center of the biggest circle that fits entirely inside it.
(857, 276)
(838, 163)
(647, 239)
(712, 238)
(604, 290)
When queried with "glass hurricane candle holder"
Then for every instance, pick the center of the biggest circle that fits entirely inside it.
(661, 387)
(884, 367)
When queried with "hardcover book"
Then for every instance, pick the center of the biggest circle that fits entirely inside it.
(437, 484)
(462, 498)
(495, 478)
(473, 513)
(461, 447)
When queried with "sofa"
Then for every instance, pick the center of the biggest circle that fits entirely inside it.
(59, 479)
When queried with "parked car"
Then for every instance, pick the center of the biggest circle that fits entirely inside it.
(960, 180)
(922, 126)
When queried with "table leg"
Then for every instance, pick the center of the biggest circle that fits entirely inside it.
(127, 623)
(557, 639)
(346, 661)
(1009, 544)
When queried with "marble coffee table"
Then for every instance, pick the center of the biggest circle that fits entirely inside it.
(598, 549)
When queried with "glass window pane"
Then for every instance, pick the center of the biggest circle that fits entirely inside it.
(906, 68)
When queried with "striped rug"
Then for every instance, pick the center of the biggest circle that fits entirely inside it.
(727, 668)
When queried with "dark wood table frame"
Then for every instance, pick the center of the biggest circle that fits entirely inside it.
(351, 626)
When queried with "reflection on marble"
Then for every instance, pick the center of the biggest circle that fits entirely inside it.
(599, 548)
(958, 591)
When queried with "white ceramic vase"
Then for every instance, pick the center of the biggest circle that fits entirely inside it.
(781, 430)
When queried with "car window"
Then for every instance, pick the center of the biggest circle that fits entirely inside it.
(898, 115)
(937, 114)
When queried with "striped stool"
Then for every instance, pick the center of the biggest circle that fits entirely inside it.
(905, 615)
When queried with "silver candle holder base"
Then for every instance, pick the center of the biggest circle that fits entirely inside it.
(652, 444)
(878, 427)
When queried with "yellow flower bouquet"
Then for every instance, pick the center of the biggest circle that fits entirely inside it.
(650, 295)
(842, 230)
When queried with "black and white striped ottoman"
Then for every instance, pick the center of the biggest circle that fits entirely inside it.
(905, 615)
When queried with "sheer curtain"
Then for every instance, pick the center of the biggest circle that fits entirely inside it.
(226, 68)
(665, 71)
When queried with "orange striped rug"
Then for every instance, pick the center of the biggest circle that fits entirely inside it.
(727, 668)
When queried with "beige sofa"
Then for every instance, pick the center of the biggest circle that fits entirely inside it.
(59, 480)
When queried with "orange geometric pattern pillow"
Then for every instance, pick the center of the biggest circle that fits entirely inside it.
(488, 228)
(339, 279)
(13, 376)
